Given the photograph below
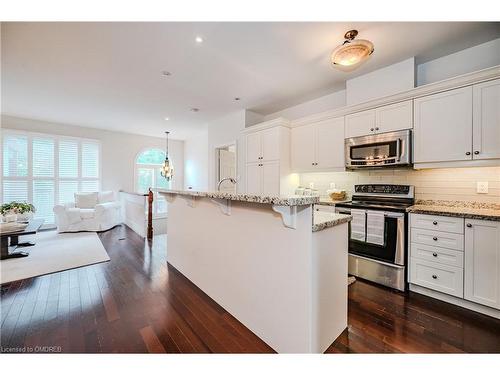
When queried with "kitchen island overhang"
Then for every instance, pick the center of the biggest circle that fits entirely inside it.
(266, 261)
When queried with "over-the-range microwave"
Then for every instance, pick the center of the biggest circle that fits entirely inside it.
(382, 150)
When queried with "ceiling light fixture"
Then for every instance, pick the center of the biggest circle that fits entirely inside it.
(194, 109)
(352, 53)
(166, 119)
(166, 73)
(199, 39)
(237, 98)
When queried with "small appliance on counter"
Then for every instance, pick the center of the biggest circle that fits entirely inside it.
(378, 246)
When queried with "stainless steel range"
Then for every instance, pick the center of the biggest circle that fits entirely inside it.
(377, 234)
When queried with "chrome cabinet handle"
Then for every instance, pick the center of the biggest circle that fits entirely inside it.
(476, 152)
(435, 222)
(434, 255)
(435, 238)
(469, 225)
(467, 153)
(434, 277)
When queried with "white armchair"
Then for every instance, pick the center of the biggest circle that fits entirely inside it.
(93, 212)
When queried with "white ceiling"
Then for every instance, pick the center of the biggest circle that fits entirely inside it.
(108, 75)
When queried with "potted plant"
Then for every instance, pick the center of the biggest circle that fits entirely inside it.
(20, 211)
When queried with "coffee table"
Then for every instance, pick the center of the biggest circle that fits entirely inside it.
(32, 228)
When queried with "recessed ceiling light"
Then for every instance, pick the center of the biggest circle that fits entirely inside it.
(166, 119)
(199, 39)
(194, 109)
(166, 73)
(237, 98)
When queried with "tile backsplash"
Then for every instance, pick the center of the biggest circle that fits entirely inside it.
(456, 184)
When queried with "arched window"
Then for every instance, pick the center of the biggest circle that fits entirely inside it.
(147, 174)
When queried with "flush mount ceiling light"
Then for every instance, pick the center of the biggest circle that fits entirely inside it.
(166, 73)
(166, 119)
(352, 53)
(194, 109)
(199, 39)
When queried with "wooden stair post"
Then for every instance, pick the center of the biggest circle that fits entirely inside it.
(150, 215)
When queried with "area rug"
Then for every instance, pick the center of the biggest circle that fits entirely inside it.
(54, 252)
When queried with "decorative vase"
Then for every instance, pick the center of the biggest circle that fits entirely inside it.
(9, 218)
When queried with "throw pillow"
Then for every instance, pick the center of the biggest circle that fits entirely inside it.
(85, 200)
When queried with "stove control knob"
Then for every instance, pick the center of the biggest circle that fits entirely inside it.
(435, 222)
(434, 255)
(434, 277)
(435, 238)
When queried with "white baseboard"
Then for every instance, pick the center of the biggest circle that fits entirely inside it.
(456, 301)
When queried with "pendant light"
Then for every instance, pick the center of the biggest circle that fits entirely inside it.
(352, 53)
(167, 170)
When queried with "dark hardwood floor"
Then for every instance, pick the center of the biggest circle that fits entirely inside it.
(136, 303)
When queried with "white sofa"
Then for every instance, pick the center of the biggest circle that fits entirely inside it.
(92, 212)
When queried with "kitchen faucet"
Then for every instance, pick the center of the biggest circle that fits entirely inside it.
(232, 180)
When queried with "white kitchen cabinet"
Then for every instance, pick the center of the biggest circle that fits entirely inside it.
(482, 262)
(253, 147)
(486, 120)
(254, 178)
(443, 126)
(270, 139)
(388, 118)
(318, 146)
(302, 147)
(330, 144)
(270, 178)
(263, 145)
(394, 117)
(360, 123)
(263, 178)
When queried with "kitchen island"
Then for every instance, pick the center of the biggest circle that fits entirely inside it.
(267, 261)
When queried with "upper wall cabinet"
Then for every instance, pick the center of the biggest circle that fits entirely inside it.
(263, 145)
(486, 119)
(458, 125)
(443, 126)
(319, 146)
(398, 116)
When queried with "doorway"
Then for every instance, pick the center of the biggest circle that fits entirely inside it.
(226, 167)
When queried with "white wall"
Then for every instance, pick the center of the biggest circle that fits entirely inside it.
(119, 150)
(455, 184)
(222, 132)
(468, 60)
(331, 101)
(196, 162)
(387, 81)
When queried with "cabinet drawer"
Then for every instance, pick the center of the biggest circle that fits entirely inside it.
(439, 223)
(324, 208)
(447, 240)
(437, 255)
(440, 277)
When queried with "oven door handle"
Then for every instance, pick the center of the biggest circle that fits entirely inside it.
(398, 149)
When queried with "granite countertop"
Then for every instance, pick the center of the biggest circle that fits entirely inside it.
(323, 220)
(467, 210)
(289, 200)
(329, 202)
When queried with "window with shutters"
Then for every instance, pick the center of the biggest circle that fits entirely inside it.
(47, 170)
